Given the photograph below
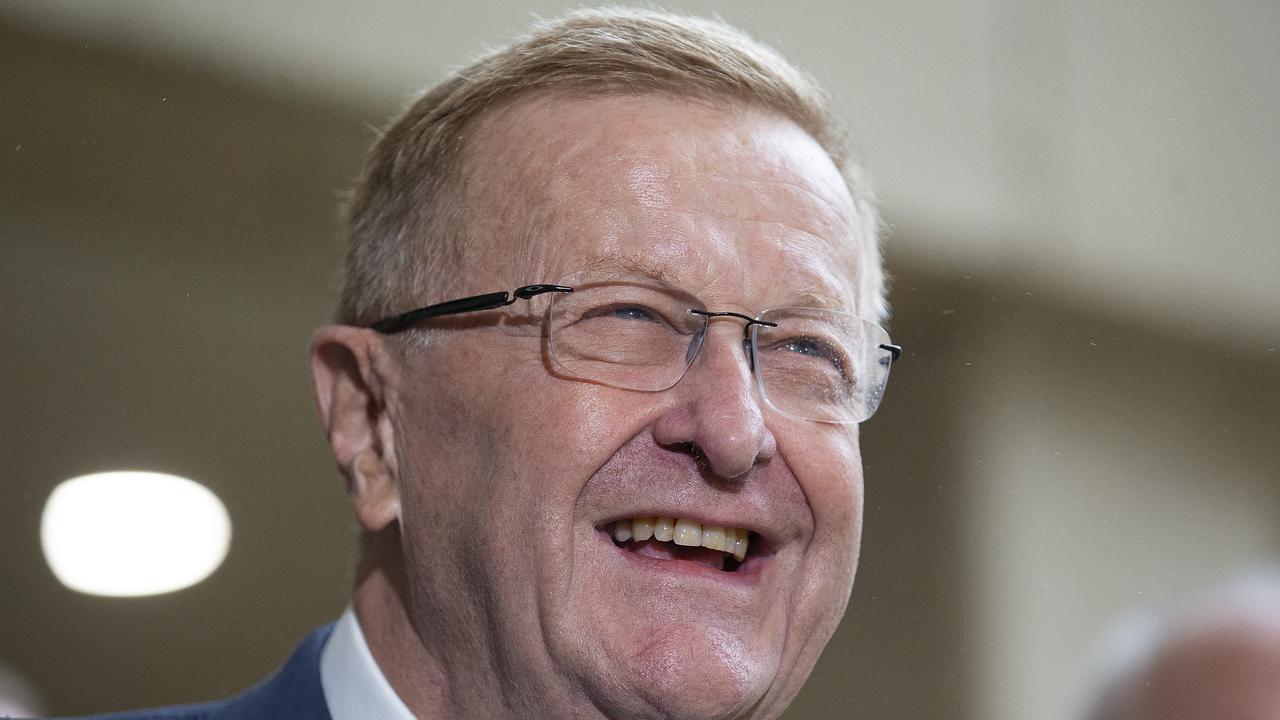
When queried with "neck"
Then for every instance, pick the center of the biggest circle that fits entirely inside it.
(380, 603)
(442, 664)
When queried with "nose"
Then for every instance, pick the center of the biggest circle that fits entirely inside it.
(716, 407)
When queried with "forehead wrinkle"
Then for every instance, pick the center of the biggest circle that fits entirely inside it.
(805, 212)
(702, 270)
(833, 281)
(535, 183)
(515, 194)
(815, 297)
(628, 263)
(778, 154)
(831, 237)
(822, 292)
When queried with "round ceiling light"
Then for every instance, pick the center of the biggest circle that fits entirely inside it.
(126, 534)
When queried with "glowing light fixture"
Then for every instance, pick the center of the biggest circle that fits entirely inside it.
(133, 533)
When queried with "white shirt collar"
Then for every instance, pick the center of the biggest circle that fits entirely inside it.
(354, 686)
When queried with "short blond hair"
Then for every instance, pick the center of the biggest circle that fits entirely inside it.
(406, 224)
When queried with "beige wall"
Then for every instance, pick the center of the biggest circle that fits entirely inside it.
(1116, 154)
(1111, 468)
(167, 246)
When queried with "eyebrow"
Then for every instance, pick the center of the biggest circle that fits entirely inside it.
(632, 265)
(815, 296)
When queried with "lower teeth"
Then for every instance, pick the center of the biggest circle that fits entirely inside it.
(728, 562)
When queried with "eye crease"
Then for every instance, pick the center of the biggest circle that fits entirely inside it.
(813, 348)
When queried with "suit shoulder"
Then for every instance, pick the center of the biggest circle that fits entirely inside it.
(202, 711)
(293, 691)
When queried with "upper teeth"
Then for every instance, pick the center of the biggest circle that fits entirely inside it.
(683, 532)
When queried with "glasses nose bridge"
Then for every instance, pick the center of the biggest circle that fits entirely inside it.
(707, 316)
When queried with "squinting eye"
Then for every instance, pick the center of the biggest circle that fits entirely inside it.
(631, 312)
(815, 348)
(626, 314)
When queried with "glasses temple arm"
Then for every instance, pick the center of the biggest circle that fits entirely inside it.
(396, 323)
(487, 301)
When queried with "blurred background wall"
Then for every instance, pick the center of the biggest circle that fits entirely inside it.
(1085, 210)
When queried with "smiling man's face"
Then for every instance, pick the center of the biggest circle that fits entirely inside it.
(512, 478)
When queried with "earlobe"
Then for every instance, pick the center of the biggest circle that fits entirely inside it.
(350, 391)
(375, 495)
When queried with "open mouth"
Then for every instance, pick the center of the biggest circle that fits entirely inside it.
(727, 549)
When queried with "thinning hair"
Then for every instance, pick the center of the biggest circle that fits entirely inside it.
(407, 232)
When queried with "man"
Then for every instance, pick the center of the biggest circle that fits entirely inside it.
(632, 487)
(1217, 657)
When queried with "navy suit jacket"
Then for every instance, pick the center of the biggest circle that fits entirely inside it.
(293, 693)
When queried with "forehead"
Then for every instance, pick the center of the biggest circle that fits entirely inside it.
(724, 200)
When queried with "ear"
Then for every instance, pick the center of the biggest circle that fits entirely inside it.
(351, 374)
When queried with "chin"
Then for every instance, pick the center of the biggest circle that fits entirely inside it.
(695, 672)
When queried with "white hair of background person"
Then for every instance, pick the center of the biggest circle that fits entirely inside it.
(1137, 641)
(18, 697)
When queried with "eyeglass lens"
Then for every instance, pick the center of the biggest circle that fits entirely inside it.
(638, 334)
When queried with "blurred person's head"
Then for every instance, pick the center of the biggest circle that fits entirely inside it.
(504, 483)
(18, 697)
(1215, 658)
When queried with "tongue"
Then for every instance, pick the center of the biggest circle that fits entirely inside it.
(670, 551)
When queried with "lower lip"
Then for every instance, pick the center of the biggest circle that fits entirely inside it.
(747, 575)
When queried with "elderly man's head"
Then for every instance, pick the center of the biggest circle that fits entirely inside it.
(1218, 657)
(611, 501)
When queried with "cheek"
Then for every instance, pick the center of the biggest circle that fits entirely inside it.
(827, 462)
(512, 450)
(571, 429)
(828, 466)
(842, 512)
(457, 424)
